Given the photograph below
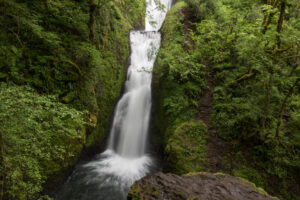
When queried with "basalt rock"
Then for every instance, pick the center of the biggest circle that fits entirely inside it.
(200, 186)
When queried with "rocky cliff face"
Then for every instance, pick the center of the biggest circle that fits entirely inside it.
(204, 185)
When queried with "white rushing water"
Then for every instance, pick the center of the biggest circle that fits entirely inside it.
(130, 126)
(111, 174)
(127, 142)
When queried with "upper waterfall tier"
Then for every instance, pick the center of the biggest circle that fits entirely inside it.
(156, 13)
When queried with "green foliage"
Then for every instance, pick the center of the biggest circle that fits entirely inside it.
(39, 138)
(186, 148)
(178, 80)
(46, 45)
(249, 174)
(45, 198)
(235, 116)
(202, 9)
(256, 79)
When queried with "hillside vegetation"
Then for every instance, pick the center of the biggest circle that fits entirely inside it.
(244, 55)
(62, 66)
(226, 89)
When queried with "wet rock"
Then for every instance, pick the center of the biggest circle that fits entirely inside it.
(202, 186)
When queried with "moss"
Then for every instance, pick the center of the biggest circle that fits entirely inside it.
(177, 80)
(220, 173)
(249, 174)
(162, 88)
(186, 149)
(261, 190)
(177, 85)
(153, 187)
(137, 193)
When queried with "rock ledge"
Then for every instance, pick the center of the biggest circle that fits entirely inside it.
(202, 186)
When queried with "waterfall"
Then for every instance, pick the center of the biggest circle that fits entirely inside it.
(112, 173)
(131, 120)
(130, 125)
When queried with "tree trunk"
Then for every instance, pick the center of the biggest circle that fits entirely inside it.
(280, 22)
(268, 19)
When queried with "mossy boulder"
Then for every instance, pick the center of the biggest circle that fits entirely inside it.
(201, 185)
(186, 149)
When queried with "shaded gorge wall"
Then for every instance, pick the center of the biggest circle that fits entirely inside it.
(61, 86)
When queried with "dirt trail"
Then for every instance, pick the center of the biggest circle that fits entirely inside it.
(216, 146)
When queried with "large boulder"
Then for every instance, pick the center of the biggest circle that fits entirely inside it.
(202, 186)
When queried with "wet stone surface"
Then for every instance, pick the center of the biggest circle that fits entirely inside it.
(202, 186)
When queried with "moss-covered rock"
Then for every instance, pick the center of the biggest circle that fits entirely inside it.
(201, 185)
(186, 149)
